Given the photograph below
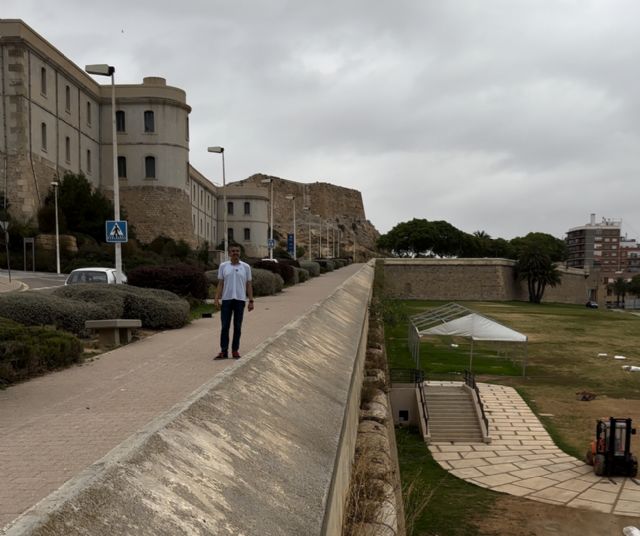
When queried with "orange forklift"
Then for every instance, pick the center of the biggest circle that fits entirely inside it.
(610, 452)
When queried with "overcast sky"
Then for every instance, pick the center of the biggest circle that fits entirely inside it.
(506, 116)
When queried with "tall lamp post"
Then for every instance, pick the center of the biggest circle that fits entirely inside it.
(292, 198)
(55, 185)
(308, 211)
(271, 202)
(220, 150)
(102, 69)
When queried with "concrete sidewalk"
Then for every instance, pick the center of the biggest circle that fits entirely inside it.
(55, 426)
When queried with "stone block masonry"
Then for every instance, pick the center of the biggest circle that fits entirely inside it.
(475, 279)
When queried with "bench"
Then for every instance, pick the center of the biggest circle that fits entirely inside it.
(113, 332)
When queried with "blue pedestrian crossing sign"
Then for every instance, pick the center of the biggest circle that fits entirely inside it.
(116, 231)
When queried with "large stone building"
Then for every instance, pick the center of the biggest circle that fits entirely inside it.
(55, 118)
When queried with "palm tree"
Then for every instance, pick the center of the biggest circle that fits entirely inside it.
(537, 268)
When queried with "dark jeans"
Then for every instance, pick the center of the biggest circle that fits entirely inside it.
(229, 309)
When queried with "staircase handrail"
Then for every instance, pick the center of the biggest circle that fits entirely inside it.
(470, 380)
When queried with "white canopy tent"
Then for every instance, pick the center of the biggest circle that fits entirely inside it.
(457, 321)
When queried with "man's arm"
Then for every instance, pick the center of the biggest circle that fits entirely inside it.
(250, 295)
(219, 288)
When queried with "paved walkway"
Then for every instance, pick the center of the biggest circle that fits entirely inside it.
(522, 460)
(54, 426)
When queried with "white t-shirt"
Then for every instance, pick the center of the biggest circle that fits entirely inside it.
(235, 277)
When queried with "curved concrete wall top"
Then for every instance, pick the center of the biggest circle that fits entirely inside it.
(253, 452)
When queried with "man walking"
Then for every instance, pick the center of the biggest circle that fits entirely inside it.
(234, 288)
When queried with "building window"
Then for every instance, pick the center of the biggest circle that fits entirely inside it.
(149, 121)
(230, 234)
(43, 136)
(67, 98)
(247, 208)
(120, 124)
(43, 81)
(122, 167)
(150, 167)
(187, 128)
(67, 149)
(229, 207)
(88, 113)
(247, 233)
(89, 161)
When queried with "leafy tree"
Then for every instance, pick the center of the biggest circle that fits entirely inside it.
(422, 238)
(536, 267)
(634, 285)
(554, 248)
(620, 288)
(81, 209)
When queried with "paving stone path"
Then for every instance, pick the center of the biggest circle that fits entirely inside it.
(523, 460)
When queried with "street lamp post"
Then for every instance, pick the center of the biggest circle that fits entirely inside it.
(320, 241)
(55, 185)
(225, 237)
(308, 211)
(103, 69)
(328, 246)
(292, 198)
(271, 203)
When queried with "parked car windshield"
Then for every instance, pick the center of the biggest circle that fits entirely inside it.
(87, 276)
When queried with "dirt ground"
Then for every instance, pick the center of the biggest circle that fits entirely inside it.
(522, 517)
(576, 422)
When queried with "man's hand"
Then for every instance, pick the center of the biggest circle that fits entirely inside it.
(250, 306)
(216, 303)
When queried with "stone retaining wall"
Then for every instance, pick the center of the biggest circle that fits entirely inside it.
(475, 279)
(265, 448)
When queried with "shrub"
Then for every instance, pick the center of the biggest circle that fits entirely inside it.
(312, 267)
(157, 309)
(265, 282)
(325, 265)
(284, 270)
(29, 351)
(180, 279)
(38, 309)
(302, 275)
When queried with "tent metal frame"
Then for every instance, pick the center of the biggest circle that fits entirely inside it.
(442, 315)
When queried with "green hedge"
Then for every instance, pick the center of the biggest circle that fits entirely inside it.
(312, 267)
(181, 279)
(301, 275)
(156, 308)
(29, 351)
(33, 308)
(265, 282)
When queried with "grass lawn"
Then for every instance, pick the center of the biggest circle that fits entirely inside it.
(562, 354)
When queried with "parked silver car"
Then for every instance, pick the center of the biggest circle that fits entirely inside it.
(93, 275)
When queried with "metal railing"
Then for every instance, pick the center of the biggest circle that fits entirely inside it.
(470, 380)
(423, 401)
(415, 376)
(401, 375)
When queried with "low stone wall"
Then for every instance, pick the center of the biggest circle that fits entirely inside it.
(475, 280)
(263, 449)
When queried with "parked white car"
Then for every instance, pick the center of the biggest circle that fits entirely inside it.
(93, 275)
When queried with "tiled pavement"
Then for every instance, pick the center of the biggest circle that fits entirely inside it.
(522, 460)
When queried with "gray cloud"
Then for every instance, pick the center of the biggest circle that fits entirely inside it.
(496, 115)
